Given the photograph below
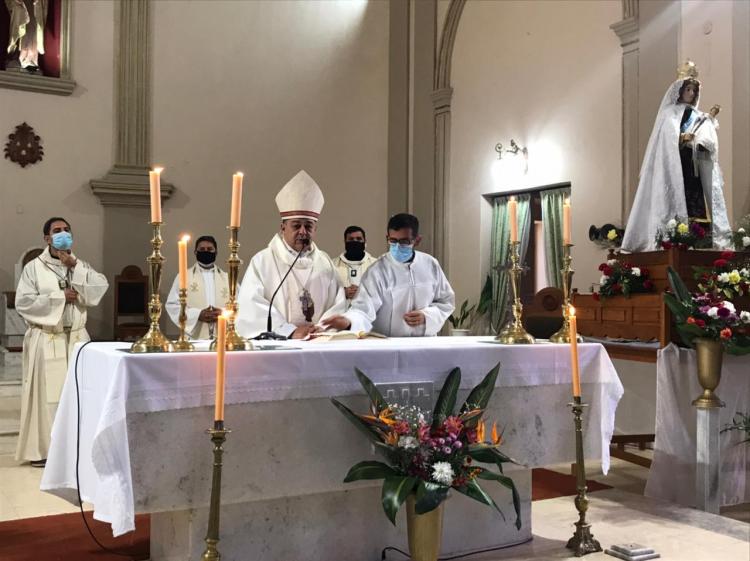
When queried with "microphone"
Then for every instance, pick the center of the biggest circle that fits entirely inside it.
(269, 334)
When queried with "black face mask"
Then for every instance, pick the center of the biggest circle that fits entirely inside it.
(355, 251)
(205, 257)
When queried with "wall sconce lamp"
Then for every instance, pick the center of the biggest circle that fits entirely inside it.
(516, 151)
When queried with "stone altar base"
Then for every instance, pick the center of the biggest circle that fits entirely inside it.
(337, 526)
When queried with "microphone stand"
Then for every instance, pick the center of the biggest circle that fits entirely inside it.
(269, 334)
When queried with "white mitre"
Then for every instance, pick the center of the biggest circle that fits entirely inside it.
(300, 198)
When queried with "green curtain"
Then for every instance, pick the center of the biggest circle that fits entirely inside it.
(552, 211)
(500, 255)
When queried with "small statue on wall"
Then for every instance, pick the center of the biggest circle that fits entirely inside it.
(26, 38)
(24, 146)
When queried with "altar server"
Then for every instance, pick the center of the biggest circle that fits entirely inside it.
(207, 292)
(404, 293)
(53, 294)
(312, 290)
(353, 263)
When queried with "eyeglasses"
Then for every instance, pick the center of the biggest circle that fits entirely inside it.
(403, 242)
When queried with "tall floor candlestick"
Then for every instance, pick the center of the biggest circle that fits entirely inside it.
(235, 342)
(583, 541)
(563, 334)
(218, 437)
(514, 333)
(154, 340)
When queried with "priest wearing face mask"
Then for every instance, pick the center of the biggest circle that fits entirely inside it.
(311, 291)
(353, 263)
(53, 295)
(207, 291)
(404, 293)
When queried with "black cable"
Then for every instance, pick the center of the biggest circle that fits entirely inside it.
(460, 556)
(78, 456)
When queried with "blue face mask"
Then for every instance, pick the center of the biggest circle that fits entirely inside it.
(402, 254)
(62, 241)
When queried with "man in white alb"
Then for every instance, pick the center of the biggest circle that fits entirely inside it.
(353, 263)
(404, 293)
(53, 294)
(207, 292)
(311, 291)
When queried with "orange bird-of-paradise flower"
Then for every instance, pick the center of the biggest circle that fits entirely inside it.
(480, 431)
(496, 438)
(391, 439)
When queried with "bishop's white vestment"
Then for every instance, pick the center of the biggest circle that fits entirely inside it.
(54, 327)
(314, 272)
(205, 287)
(390, 289)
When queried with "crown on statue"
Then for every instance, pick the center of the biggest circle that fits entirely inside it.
(687, 70)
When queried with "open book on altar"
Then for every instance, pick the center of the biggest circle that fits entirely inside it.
(343, 335)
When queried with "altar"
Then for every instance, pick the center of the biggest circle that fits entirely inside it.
(143, 446)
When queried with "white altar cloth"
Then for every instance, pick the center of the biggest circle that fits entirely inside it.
(117, 388)
(672, 473)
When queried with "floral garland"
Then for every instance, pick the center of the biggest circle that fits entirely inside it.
(680, 234)
(622, 279)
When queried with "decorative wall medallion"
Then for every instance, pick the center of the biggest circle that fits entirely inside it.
(24, 146)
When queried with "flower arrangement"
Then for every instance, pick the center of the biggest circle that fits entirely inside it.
(707, 315)
(682, 234)
(741, 236)
(622, 278)
(609, 235)
(428, 454)
(726, 278)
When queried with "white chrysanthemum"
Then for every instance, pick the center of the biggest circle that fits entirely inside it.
(603, 279)
(612, 262)
(672, 223)
(408, 442)
(745, 317)
(744, 272)
(442, 472)
(713, 312)
(741, 231)
(729, 306)
(745, 241)
(723, 277)
(636, 271)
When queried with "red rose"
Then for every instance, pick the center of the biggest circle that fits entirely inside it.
(616, 288)
(726, 333)
(666, 245)
(700, 323)
(729, 255)
(607, 270)
(720, 263)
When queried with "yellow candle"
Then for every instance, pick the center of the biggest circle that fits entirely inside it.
(154, 178)
(182, 259)
(566, 222)
(574, 352)
(513, 215)
(234, 218)
(221, 355)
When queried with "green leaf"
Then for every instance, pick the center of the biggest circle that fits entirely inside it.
(480, 396)
(474, 491)
(505, 481)
(372, 392)
(676, 307)
(429, 496)
(678, 287)
(368, 430)
(485, 298)
(490, 455)
(446, 401)
(369, 470)
(737, 349)
(395, 490)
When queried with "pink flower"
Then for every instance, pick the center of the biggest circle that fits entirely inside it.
(423, 432)
(453, 425)
(726, 333)
(402, 427)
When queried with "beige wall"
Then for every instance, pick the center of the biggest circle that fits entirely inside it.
(548, 75)
(76, 133)
(270, 88)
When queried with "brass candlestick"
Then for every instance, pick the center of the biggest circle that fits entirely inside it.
(514, 333)
(182, 344)
(563, 334)
(583, 541)
(154, 340)
(218, 436)
(235, 342)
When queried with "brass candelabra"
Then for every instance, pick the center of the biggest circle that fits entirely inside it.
(583, 541)
(183, 344)
(218, 437)
(514, 333)
(235, 342)
(154, 340)
(563, 334)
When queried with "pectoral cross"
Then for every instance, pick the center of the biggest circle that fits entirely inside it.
(308, 306)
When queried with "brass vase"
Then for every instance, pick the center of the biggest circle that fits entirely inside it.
(425, 531)
(709, 354)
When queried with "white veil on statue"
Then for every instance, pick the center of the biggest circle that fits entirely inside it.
(661, 189)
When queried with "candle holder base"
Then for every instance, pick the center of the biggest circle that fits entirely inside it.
(234, 342)
(152, 342)
(183, 346)
(563, 335)
(583, 542)
(515, 334)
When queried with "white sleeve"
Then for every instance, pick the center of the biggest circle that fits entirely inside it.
(89, 284)
(253, 312)
(41, 309)
(364, 308)
(442, 305)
